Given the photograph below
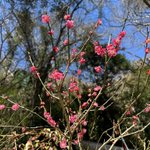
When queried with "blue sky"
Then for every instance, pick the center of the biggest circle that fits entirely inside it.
(133, 41)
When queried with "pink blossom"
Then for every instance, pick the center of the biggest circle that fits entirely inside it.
(89, 95)
(55, 49)
(128, 113)
(82, 61)
(51, 32)
(100, 51)
(37, 75)
(74, 51)
(46, 114)
(148, 72)
(72, 118)
(112, 52)
(147, 109)
(134, 120)
(98, 69)
(95, 104)
(49, 84)
(84, 105)
(63, 144)
(47, 94)
(76, 142)
(117, 41)
(94, 94)
(79, 71)
(45, 18)
(99, 22)
(122, 34)
(65, 93)
(23, 129)
(2, 107)
(56, 75)
(95, 43)
(82, 54)
(135, 117)
(79, 96)
(69, 24)
(67, 17)
(42, 104)
(147, 41)
(97, 88)
(51, 121)
(33, 69)
(84, 123)
(66, 42)
(147, 50)
(15, 107)
(102, 108)
(73, 87)
(148, 105)
(84, 130)
(81, 134)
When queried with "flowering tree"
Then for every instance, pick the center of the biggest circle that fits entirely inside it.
(70, 126)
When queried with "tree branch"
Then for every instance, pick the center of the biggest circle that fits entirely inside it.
(147, 3)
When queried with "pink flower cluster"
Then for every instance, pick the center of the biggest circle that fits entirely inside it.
(148, 72)
(147, 41)
(45, 18)
(81, 59)
(55, 49)
(84, 105)
(73, 86)
(51, 32)
(73, 118)
(102, 108)
(135, 120)
(79, 71)
(111, 49)
(117, 41)
(69, 22)
(147, 50)
(15, 107)
(147, 109)
(74, 51)
(98, 69)
(81, 134)
(99, 50)
(66, 42)
(33, 69)
(63, 144)
(56, 75)
(2, 107)
(67, 17)
(99, 22)
(49, 86)
(49, 119)
(97, 88)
